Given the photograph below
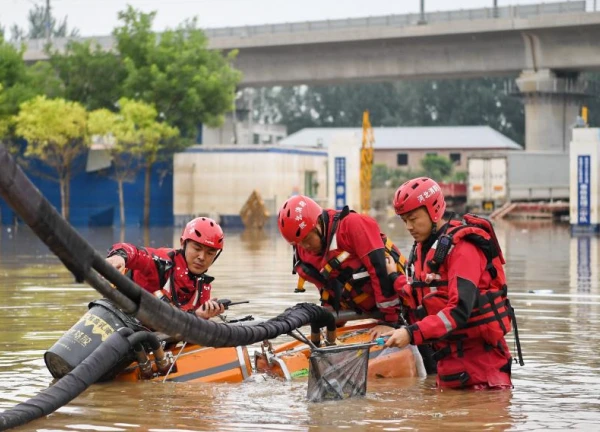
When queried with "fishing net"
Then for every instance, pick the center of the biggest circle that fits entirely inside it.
(338, 372)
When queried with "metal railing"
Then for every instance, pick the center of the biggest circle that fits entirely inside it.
(405, 20)
(516, 11)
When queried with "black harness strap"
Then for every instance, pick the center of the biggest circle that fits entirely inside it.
(517, 340)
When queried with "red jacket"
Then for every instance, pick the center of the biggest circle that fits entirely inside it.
(449, 308)
(360, 281)
(162, 269)
(460, 304)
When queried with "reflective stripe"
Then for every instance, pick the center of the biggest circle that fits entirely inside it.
(343, 256)
(333, 245)
(360, 275)
(433, 289)
(388, 303)
(360, 298)
(445, 320)
(194, 302)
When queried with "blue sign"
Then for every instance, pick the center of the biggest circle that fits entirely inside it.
(583, 190)
(340, 182)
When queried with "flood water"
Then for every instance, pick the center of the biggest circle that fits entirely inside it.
(553, 283)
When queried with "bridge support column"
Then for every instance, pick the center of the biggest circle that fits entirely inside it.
(552, 102)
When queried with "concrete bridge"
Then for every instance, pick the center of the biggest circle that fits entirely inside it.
(546, 45)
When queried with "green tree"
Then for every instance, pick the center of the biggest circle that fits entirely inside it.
(391, 177)
(21, 83)
(4, 122)
(43, 80)
(55, 131)
(423, 103)
(188, 83)
(117, 133)
(18, 81)
(436, 167)
(91, 76)
(145, 138)
(37, 21)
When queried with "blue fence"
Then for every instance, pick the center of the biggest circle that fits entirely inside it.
(95, 200)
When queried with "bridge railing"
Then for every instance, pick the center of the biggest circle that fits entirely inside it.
(516, 11)
(36, 47)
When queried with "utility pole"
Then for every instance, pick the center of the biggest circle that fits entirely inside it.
(48, 21)
(422, 18)
(495, 8)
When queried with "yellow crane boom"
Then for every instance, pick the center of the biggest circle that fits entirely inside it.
(366, 164)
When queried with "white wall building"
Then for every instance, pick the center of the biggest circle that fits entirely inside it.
(217, 180)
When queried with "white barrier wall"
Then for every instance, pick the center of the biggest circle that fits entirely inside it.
(584, 165)
(218, 180)
(344, 171)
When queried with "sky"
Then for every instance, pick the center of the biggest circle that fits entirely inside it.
(99, 17)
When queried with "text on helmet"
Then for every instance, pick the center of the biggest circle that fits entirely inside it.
(428, 193)
(299, 217)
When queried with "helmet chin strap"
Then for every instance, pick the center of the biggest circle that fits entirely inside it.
(322, 236)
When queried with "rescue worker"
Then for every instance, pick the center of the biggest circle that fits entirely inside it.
(343, 254)
(177, 275)
(455, 291)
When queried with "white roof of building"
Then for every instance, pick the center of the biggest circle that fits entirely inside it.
(410, 138)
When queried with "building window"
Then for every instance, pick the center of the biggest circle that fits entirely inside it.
(455, 158)
(402, 159)
(311, 184)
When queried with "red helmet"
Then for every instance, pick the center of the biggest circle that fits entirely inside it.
(205, 231)
(419, 192)
(297, 217)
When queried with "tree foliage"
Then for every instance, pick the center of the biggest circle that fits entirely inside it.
(439, 168)
(187, 83)
(37, 20)
(19, 82)
(4, 122)
(56, 131)
(90, 75)
(142, 136)
(419, 103)
(113, 130)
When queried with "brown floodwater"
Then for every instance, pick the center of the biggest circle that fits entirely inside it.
(553, 283)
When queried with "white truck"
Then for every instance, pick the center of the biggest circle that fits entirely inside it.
(493, 180)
